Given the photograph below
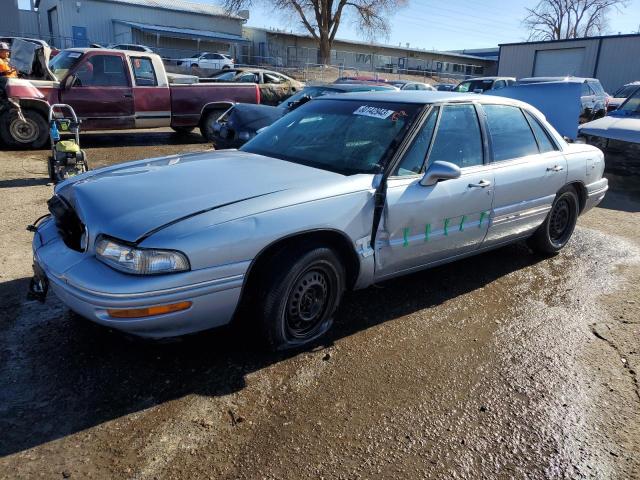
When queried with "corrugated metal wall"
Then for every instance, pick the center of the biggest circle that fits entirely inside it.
(617, 64)
(97, 17)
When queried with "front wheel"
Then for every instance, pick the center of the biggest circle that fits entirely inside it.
(555, 232)
(31, 131)
(300, 296)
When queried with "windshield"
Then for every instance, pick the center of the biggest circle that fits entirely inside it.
(630, 107)
(311, 92)
(342, 136)
(63, 62)
(473, 85)
(626, 91)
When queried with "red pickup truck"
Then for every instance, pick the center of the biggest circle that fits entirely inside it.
(114, 89)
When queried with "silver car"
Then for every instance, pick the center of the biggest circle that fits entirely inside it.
(343, 192)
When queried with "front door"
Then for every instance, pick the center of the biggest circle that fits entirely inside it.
(528, 170)
(422, 225)
(101, 95)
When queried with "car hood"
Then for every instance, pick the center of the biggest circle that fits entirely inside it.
(247, 117)
(615, 127)
(132, 201)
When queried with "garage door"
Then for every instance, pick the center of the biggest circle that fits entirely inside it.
(553, 63)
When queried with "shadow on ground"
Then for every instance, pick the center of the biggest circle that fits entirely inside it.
(60, 374)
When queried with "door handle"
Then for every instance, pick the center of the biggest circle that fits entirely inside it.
(480, 184)
(556, 168)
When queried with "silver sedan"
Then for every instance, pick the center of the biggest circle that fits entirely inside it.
(343, 192)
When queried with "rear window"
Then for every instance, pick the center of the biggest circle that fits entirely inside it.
(597, 87)
(544, 140)
(143, 72)
(626, 91)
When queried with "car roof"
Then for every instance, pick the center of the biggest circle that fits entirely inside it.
(569, 79)
(487, 78)
(357, 87)
(423, 97)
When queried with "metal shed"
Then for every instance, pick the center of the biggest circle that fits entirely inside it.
(612, 59)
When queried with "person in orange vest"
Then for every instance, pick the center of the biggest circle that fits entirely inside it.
(6, 70)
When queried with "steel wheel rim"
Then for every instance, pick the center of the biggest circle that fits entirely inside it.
(560, 221)
(24, 132)
(308, 302)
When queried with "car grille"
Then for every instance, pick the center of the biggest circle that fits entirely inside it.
(69, 226)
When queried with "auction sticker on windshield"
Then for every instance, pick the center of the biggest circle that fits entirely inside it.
(374, 112)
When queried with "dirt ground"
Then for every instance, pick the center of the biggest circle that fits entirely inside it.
(506, 365)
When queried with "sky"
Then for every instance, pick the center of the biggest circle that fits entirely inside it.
(438, 25)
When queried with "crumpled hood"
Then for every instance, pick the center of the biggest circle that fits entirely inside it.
(130, 201)
(616, 127)
(251, 118)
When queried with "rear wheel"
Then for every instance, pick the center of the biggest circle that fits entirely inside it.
(32, 132)
(209, 120)
(300, 295)
(558, 227)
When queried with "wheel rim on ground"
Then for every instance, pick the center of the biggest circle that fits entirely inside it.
(560, 221)
(308, 302)
(24, 132)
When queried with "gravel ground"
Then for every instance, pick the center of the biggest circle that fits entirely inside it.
(506, 365)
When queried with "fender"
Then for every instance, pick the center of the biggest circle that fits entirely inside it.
(18, 88)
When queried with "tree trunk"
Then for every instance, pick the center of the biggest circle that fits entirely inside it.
(324, 53)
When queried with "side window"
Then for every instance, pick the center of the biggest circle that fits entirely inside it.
(413, 160)
(143, 72)
(544, 141)
(272, 78)
(586, 90)
(511, 136)
(458, 139)
(248, 78)
(499, 84)
(102, 71)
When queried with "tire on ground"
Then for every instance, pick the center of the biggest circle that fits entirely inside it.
(551, 237)
(33, 133)
(183, 130)
(299, 294)
(208, 120)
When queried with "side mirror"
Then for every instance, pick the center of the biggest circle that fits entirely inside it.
(69, 81)
(438, 171)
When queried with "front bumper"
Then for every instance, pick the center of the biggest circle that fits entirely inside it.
(90, 288)
(595, 193)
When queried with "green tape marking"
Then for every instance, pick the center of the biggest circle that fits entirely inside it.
(446, 226)
(405, 237)
(482, 215)
(427, 232)
(462, 220)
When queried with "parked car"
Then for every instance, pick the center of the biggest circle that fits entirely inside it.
(131, 47)
(621, 95)
(482, 84)
(360, 78)
(593, 99)
(241, 122)
(618, 134)
(115, 89)
(444, 87)
(410, 85)
(274, 86)
(345, 191)
(207, 61)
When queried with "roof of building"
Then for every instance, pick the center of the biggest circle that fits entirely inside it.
(184, 32)
(627, 35)
(373, 44)
(176, 6)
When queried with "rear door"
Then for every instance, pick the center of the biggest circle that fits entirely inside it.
(422, 225)
(528, 168)
(102, 94)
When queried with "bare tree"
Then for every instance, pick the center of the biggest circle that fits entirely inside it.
(322, 18)
(562, 19)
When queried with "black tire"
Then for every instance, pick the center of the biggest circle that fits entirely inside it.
(33, 133)
(555, 232)
(226, 67)
(206, 126)
(183, 130)
(299, 296)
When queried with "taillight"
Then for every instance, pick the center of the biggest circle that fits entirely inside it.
(258, 99)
